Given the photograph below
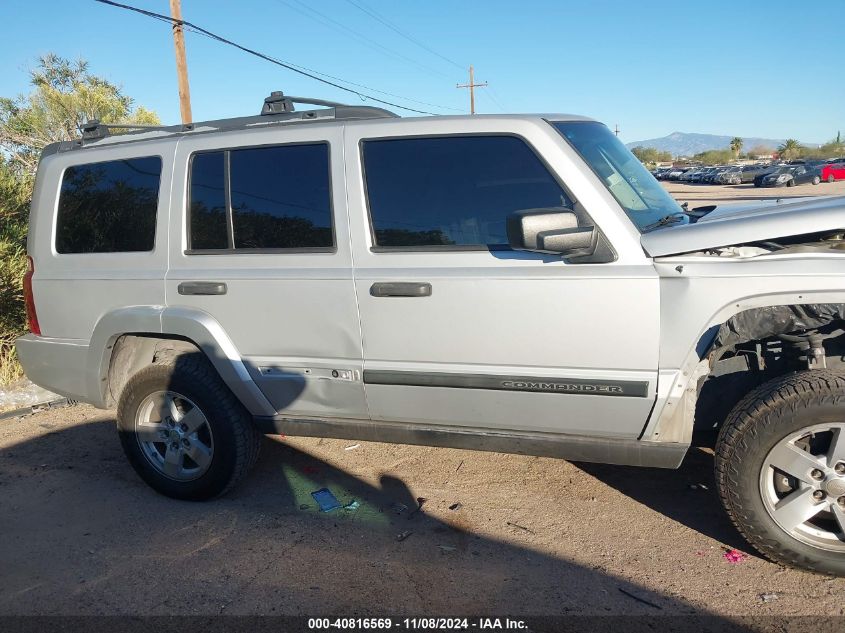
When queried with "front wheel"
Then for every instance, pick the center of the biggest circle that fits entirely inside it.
(183, 431)
(816, 180)
(780, 469)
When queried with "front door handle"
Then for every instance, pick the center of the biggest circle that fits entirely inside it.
(202, 288)
(400, 289)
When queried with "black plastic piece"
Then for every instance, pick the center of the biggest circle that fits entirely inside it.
(400, 289)
(760, 323)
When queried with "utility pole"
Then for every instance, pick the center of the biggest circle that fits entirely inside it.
(472, 86)
(616, 130)
(181, 63)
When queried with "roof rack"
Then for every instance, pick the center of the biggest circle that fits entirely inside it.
(276, 107)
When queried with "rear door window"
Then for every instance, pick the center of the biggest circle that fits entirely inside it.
(109, 207)
(261, 198)
(453, 191)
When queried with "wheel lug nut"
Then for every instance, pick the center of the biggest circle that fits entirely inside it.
(841, 501)
(186, 443)
(840, 468)
(818, 495)
(183, 427)
(816, 474)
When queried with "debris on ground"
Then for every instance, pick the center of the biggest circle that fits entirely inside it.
(352, 506)
(456, 506)
(420, 502)
(352, 448)
(638, 599)
(520, 527)
(403, 535)
(459, 466)
(447, 548)
(397, 507)
(768, 597)
(734, 556)
(698, 487)
(326, 500)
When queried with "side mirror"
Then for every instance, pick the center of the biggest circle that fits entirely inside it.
(554, 231)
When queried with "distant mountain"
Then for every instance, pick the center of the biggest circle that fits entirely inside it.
(688, 144)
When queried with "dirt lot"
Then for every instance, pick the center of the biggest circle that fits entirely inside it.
(702, 195)
(83, 535)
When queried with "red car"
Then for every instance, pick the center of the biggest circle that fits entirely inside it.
(834, 171)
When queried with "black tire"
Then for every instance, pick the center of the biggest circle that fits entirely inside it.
(790, 183)
(761, 420)
(816, 180)
(236, 439)
(831, 178)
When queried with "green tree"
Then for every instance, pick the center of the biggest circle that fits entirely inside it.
(736, 145)
(64, 95)
(790, 149)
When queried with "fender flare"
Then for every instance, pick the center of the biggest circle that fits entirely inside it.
(192, 324)
(674, 412)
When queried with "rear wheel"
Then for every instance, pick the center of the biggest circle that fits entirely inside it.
(831, 178)
(816, 180)
(183, 431)
(780, 469)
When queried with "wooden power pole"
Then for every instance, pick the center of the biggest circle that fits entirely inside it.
(181, 63)
(616, 130)
(472, 86)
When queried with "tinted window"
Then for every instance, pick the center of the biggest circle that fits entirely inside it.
(280, 198)
(453, 190)
(109, 207)
(208, 201)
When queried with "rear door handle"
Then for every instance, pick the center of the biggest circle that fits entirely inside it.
(400, 289)
(202, 288)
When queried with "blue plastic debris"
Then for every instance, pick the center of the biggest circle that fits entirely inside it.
(351, 506)
(326, 500)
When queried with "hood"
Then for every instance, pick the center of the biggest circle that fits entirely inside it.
(741, 224)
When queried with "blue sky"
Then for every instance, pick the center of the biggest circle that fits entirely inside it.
(768, 68)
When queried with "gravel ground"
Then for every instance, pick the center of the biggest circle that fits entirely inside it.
(534, 536)
(702, 195)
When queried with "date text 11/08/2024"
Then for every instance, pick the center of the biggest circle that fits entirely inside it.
(415, 624)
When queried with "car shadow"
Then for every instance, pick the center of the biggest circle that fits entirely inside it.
(83, 535)
(687, 495)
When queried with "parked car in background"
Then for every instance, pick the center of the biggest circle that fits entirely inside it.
(833, 171)
(791, 175)
(730, 176)
(749, 172)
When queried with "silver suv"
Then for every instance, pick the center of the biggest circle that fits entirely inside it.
(504, 283)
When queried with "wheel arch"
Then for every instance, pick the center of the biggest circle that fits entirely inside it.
(128, 339)
(673, 418)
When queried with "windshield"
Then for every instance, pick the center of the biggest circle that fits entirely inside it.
(643, 198)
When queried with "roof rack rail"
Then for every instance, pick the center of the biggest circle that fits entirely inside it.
(278, 107)
(96, 129)
(278, 103)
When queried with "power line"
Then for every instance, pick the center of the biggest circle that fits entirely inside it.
(278, 62)
(404, 34)
(326, 20)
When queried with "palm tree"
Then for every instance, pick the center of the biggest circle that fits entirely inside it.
(790, 149)
(736, 145)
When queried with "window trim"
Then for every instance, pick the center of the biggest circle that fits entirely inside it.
(230, 233)
(376, 248)
(55, 240)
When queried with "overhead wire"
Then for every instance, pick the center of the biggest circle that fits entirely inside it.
(310, 74)
(373, 14)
